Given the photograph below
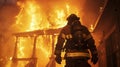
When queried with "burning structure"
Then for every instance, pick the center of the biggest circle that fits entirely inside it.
(35, 24)
(31, 17)
(37, 36)
(35, 30)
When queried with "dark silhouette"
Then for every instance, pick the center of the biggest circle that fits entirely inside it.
(77, 40)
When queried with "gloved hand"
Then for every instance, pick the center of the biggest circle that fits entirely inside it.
(58, 59)
(94, 59)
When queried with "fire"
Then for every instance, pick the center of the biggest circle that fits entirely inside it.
(91, 27)
(67, 7)
(31, 17)
(60, 17)
(23, 45)
(34, 20)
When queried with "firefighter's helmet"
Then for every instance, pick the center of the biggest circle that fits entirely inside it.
(72, 17)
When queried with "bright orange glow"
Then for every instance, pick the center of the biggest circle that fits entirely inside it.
(91, 27)
(31, 17)
(23, 45)
(68, 8)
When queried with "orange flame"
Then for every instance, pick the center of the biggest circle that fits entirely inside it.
(32, 17)
(29, 16)
(91, 27)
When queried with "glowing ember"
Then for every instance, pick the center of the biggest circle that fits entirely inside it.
(91, 27)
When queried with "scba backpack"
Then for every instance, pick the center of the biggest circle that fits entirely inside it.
(77, 31)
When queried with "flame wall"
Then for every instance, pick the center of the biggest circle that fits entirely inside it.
(41, 14)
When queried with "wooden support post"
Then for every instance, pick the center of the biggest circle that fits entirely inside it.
(52, 63)
(53, 43)
(14, 60)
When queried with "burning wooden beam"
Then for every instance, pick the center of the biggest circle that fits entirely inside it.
(38, 32)
(35, 34)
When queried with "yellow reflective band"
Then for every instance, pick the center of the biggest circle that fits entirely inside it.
(66, 36)
(78, 54)
(63, 36)
(70, 36)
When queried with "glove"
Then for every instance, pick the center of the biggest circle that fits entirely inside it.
(58, 59)
(94, 59)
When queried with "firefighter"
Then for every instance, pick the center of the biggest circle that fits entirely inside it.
(79, 43)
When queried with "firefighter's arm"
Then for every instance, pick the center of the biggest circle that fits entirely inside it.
(61, 39)
(90, 41)
(58, 48)
(92, 47)
(59, 45)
